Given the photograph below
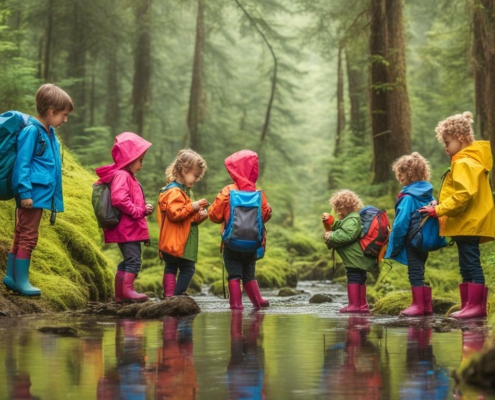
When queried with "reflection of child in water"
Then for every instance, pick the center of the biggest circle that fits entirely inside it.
(351, 368)
(176, 376)
(245, 370)
(423, 379)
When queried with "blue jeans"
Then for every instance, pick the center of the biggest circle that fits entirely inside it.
(239, 265)
(131, 251)
(186, 270)
(356, 275)
(416, 265)
(468, 248)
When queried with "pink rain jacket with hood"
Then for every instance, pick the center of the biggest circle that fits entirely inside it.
(243, 168)
(126, 192)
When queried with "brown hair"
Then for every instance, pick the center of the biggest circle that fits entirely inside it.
(458, 126)
(414, 166)
(51, 96)
(185, 160)
(345, 200)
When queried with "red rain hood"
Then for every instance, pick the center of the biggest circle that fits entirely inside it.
(243, 168)
(127, 147)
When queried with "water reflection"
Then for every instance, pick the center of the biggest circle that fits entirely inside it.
(357, 373)
(245, 369)
(424, 380)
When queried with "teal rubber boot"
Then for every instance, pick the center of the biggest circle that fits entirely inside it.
(9, 280)
(22, 278)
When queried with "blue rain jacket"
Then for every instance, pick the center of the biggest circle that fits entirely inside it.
(411, 198)
(37, 171)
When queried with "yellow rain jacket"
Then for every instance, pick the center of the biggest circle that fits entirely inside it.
(466, 202)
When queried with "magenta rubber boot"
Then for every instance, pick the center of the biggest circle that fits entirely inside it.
(353, 294)
(417, 308)
(463, 291)
(168, 285)
(476, 304)
(364, 308)
(427, 300)
(253, 291)
(119, 281)
(235, 294)
(129, 295)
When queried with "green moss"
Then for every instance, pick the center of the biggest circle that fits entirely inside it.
(302, 244)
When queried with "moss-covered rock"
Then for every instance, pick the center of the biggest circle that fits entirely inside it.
(287, 291)
(67, 264)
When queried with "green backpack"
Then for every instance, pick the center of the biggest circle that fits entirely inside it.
(107, 216)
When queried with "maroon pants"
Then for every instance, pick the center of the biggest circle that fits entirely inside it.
(26, 231)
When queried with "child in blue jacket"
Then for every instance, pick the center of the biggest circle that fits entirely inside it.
(413, 172)
(36, 182)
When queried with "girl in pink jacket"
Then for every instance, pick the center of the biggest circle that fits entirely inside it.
(127, 195)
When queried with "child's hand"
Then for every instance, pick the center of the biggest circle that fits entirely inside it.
(325, 216)
(430, 210)
(203, 213)
(149, 209)
(27, 203)
(328, 221)
(327, 235)
(203, 203)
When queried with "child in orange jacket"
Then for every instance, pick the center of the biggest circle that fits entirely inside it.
(178, 220)
(243, 168)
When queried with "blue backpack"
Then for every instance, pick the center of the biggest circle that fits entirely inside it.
(424, 233)
(244, 230)
(11, 123)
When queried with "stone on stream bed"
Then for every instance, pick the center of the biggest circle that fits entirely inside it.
(176, 306)
(287, 291)
(321, 298)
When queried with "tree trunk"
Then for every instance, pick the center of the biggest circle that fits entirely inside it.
(357, 97)
(112, 106)
(142, 65)
(389, 101)
(340, 103)
(484, 69)
(48, 43)
(197, 98)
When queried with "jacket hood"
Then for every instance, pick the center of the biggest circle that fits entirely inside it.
(243, 168)
(480, 151)
(127, 147)
(422, 190)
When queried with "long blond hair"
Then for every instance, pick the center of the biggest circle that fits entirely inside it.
(185, 160)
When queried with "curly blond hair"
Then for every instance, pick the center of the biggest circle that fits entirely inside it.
(345, 201)
(414, 166)
(457, 126)
(185, 160)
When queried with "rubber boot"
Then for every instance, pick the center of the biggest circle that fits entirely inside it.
(168, 285)
(119, 281)
(463, 290)
(364, 308)
(427, 300)
(417, 308)
(472, 342)
(235, 297)
(129, 295)
(353, 294)
(22, 278)
(253, 291)
(9, 280)
(476, 304)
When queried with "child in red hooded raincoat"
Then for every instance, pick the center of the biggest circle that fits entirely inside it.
(243, 168)
(127, 195)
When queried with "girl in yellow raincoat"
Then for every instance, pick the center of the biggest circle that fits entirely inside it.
(465, 208)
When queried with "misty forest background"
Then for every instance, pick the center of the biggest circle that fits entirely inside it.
(329, 93)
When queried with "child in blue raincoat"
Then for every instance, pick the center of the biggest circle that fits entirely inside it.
(413, 172)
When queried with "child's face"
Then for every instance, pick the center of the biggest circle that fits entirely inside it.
(136, 165)
(57, 118)
(403, 178)
(191, 176)
(452, 145)
(343, 212)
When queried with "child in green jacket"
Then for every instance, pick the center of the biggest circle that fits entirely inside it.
(343, 235)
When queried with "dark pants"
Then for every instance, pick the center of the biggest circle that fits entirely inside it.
(26, 231)
(416, 265)
(186, 270)
(131, 251)
(239, 265)
(356, 275)
(468, 248)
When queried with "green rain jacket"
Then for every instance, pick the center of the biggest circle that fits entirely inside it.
(344, 238)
